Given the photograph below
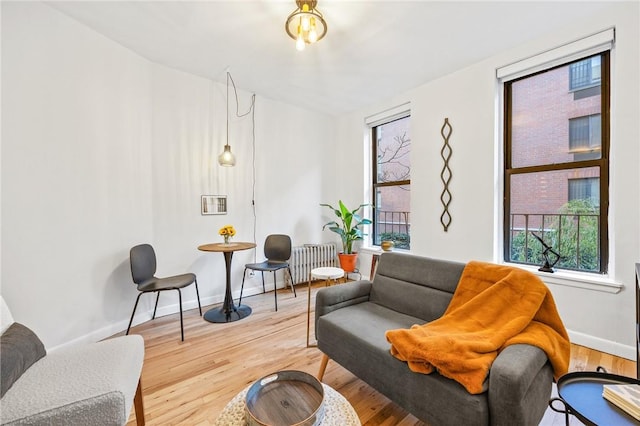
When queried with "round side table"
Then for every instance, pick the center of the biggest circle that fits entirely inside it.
(337, 410)
(327, 273)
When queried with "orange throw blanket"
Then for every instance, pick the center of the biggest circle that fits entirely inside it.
(493, 306)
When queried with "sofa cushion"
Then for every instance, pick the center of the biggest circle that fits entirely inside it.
(417, 286)
(19, 349)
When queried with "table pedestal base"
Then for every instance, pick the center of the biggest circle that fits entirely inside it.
(219, 315)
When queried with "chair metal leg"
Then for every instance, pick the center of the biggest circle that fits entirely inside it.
(244, 274)
(292, 286)
(198, 295)
(275, 290)
(134, 312)
(156, 307)
(181, 324)
(263, 289)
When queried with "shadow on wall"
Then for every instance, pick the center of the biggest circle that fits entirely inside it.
(119, 292)
(210, 272)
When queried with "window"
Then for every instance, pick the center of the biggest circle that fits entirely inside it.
(391, 173)
(585, 136)
(585, 73)
(584, 133)
(556, 175)
(587, 189)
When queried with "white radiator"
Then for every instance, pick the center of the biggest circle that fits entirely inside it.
(305, 258)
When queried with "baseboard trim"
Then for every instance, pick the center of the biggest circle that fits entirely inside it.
(602, 345)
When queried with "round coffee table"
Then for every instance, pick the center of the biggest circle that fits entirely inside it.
(337, 410)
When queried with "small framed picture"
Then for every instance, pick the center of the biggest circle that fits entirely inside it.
(213, 204)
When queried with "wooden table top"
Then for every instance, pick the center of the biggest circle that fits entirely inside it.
(222, 247)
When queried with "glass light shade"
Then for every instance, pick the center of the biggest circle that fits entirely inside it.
(227, 159)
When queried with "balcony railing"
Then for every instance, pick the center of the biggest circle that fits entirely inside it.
(394, 226)
(574, 236)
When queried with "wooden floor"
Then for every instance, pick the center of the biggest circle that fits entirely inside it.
(190, 382)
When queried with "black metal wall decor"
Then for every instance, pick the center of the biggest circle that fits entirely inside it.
(445, 175)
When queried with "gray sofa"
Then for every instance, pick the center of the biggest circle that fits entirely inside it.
(351, 321)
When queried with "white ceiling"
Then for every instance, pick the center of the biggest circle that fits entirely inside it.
(373, 49)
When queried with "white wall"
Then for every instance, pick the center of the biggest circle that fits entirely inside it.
(468, 98)
(288, 169)
(103, 150)
(76, 141)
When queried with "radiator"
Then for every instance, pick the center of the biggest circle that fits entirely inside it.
(305, 258)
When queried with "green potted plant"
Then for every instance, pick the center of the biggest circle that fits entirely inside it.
(349, 230)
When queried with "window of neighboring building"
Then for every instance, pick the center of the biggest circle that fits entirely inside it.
(391, 173)
(585, 73)
(585, 189)
(585, 137)
(556, 174)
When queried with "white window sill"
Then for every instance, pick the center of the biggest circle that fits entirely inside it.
(378, 250)
(575, 279)
(582, 280)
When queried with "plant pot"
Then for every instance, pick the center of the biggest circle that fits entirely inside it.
(348, 261)
(387, 245)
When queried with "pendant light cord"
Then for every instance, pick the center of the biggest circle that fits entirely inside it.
(252, 111)
(235, 91)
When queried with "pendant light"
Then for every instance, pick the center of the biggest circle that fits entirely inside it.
(227, 159)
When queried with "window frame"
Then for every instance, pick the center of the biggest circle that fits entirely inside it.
(602, 163)
(374, 173)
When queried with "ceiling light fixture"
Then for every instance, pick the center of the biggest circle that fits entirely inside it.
(306, 24)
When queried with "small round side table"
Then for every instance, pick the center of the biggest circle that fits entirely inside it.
(327, 273)
(337, 410)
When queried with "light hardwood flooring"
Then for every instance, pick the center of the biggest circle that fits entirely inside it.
(190, 382)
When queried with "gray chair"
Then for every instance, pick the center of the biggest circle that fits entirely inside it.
(277, 250)
(85, 384)
(143, 269)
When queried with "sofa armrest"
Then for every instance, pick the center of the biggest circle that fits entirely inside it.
(519, 385)
(329, 299)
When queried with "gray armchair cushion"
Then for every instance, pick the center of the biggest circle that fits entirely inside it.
(19, 349)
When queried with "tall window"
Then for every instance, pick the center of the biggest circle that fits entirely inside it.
(556, 165)
(392, 182)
